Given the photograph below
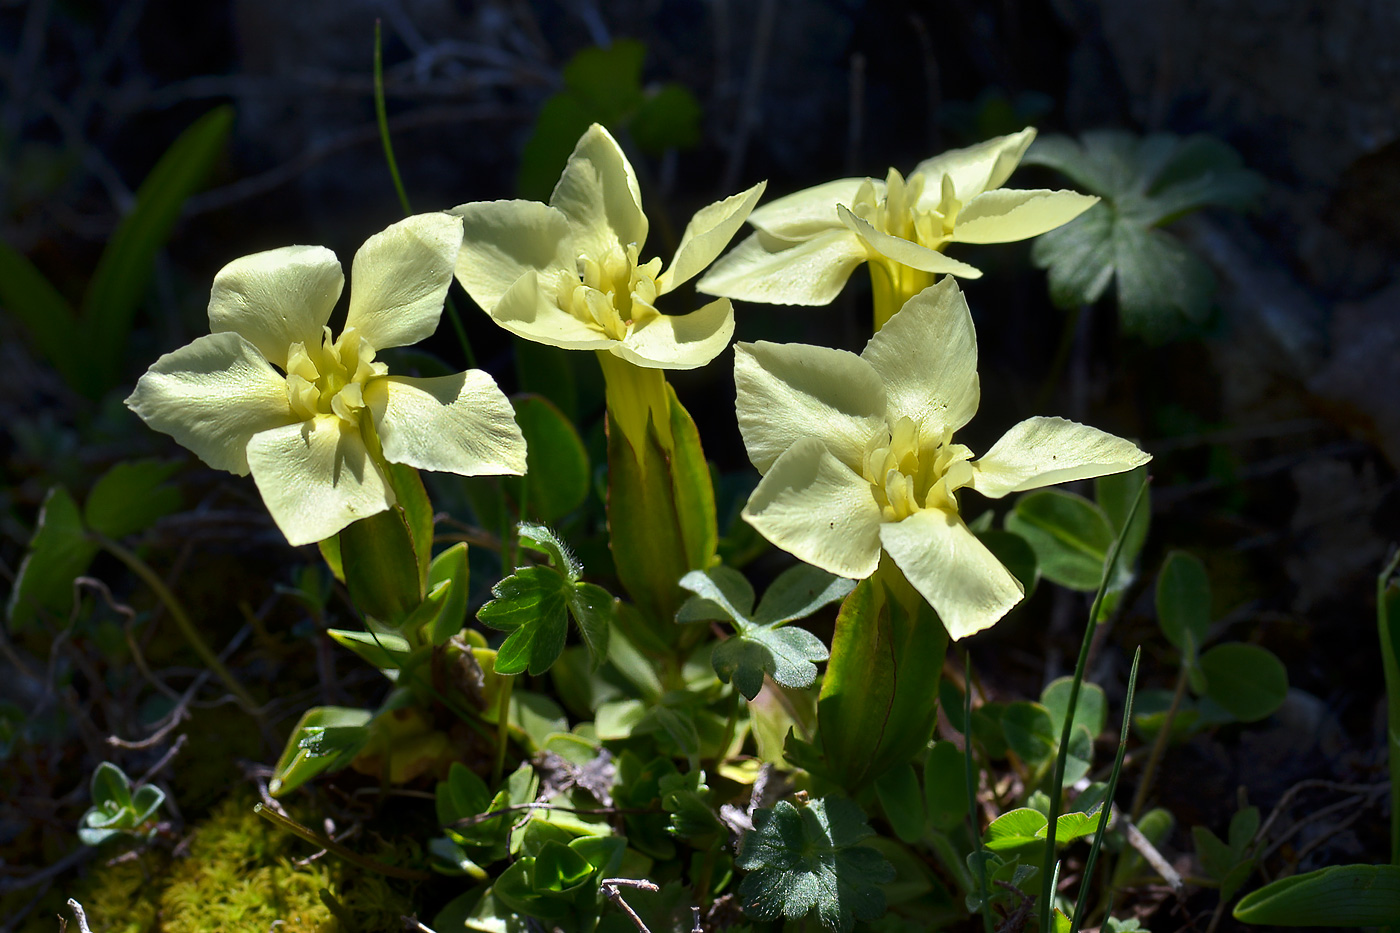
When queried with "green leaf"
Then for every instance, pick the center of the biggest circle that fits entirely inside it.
(412, 498)
(1015, 553)
(1339, 896)
(130, 496)
(903, 801)
(462, 795)
(1145, 183)
(1028, 827)
(788, 655)
(559, 869)
(111, 788)
(548, 371)
(945, 786)
(297, 764)
(557, 472)
(59, 551)
(798, 592)
(530, 604)
(48, 317)
(145, 802)
(1090, 712)
(1250, 682)
(1115, 494)
(760, 645)
(593, 609)
(805, 860)
(451, 569)
(1183, 603)
(385, 651)
(119, 283)
(608, 79)
(667, 119)
(1030, 732)
(381, 568)
(541, 538)
(1070, 535)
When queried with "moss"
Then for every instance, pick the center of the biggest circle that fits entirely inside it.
(241, 873)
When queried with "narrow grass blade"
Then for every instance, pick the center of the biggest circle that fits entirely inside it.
(1083, 901)
(1390, 663)
(982, 892)
(1047, 889)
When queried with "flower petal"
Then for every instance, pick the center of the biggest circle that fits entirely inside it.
(527, 311)
(962, 580)
(400, 278)
(905, 252)
(926, 355)
(277, 298)
(502, 240)
(459, 424)
(212, 396)
(811, 212)
(1044, 451)
(816, 508)
(316, 477)
(765, 269)
(706, 236)
(1008, 214)
(975, 169)
(791, 391)
(683, 341)
(598, 192)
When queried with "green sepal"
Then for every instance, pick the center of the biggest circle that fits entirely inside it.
(381, 566)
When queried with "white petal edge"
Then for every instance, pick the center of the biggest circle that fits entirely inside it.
(459, 424)
(400, 277)
(599, 194)
(905, 252)
(502, 240)
(683, 341)
(1009, 214)
(213, 395)
(1044, 451)
(770, 271)
(526, 310)
(810, 212)
(316, 477)
(706, 236)
(962, 580)
(926, 355)
(974, 169)
(788, 391)
(819, 510)
(277, 298)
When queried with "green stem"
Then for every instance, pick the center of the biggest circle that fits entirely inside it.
(1082, 903)
(892, 284)
(310, 835)
(1061, 360)
(381, 113)
(1390, 665)
(182, 620)
(1047, 889)
(983, 894)
(1159, 744)
(634, 394)
(498, 767)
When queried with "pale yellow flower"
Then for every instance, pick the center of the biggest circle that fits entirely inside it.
(570, 273)
(857, 456)
(809, 243)
(312, 416)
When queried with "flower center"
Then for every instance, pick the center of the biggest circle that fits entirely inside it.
(613, 293)
(908, 472)
(898, 213)
(329, 378)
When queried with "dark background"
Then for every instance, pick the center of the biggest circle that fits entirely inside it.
(1276, 429)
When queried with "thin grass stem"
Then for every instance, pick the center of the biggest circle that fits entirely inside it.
(1047, 889)
(1083, 901)
(982, 890)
